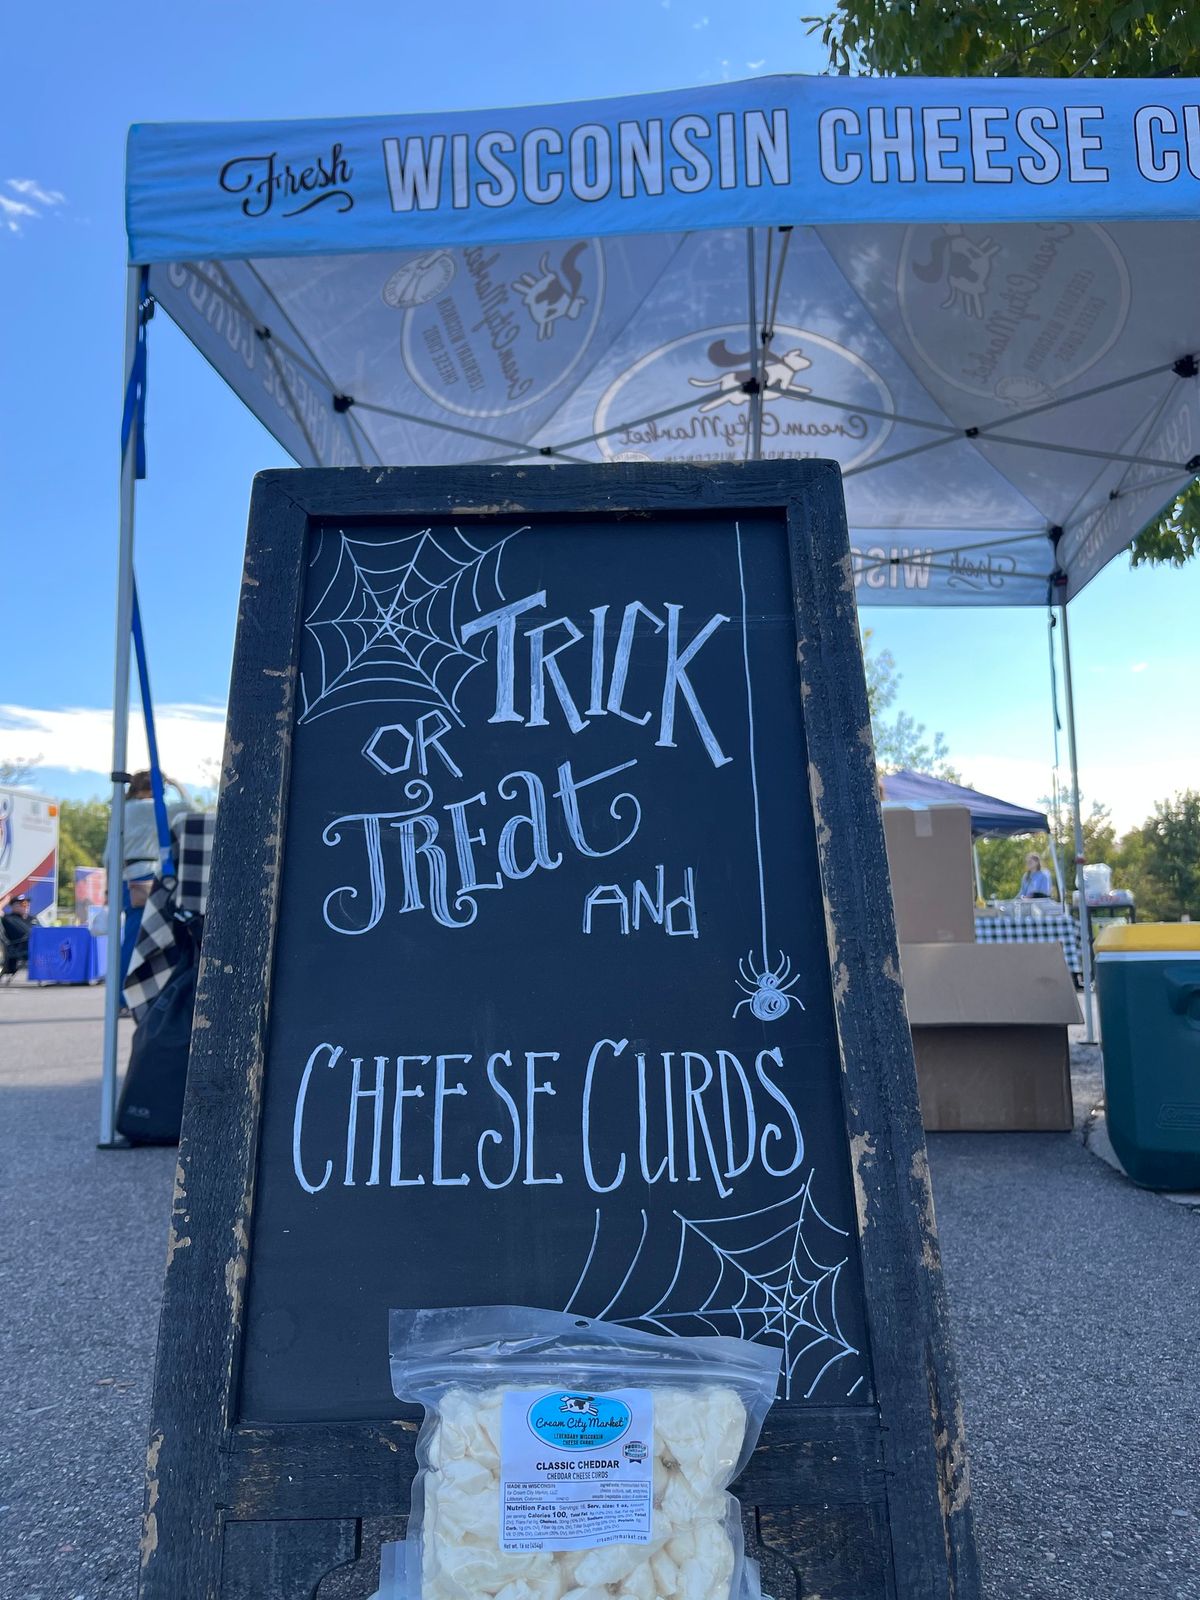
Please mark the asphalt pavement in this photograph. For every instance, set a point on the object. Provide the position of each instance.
(1075, 1302)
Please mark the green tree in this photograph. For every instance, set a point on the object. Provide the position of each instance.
(82, 836)
(1027, 38)
(1170, 856)
(1131, 871)
(17, 770)
(1002, 864)
(1099, 835)
(1002, 861)
(900, 741)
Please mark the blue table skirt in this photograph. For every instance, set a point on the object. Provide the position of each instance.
(67, 955)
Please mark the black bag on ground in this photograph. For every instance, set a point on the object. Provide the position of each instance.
(150, 1110)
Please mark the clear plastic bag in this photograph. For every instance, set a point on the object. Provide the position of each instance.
(563, 1458)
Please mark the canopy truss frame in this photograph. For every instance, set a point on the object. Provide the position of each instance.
(760, 336)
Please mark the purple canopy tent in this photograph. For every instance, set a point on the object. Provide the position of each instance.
(990, 818)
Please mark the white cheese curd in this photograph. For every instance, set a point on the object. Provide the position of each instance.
(698, 1436)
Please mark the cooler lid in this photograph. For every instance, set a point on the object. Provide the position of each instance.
(1148, 937)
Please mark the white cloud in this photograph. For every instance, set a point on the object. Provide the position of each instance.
(1129, 788)
(753, 66)
(11, 212)
(703, 23)
(32, 190)
(33, 202)
(79, 738)
(1139, 666)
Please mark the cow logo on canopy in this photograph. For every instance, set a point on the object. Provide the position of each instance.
(812, 392)
(553, 291)
(737, 368)
(1016, 313)
(508, 326)
(962, 264)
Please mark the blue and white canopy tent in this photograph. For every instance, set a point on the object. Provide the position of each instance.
(977, 295)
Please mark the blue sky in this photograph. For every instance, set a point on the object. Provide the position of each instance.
(981, 677)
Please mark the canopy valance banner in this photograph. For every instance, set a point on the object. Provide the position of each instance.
(977, 297)
(737, 155)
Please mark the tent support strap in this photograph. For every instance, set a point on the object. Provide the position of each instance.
(116, 827)
(1085, 938)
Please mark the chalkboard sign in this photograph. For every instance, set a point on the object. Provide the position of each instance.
(550, 962)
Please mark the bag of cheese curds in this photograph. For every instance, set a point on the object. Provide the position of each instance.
(565, 1458)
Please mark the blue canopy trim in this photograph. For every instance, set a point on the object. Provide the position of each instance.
(765, 152)
(989, 816)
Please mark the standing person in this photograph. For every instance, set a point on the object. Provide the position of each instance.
(142, 853)
(1035, 885)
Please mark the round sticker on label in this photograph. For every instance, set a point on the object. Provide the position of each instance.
(419, 280)
(579, 1421)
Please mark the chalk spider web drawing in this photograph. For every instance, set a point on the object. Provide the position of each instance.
(766, 987)
(387, 625)
(759, 1275)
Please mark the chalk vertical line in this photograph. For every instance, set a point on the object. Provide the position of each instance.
(586, 1264)
(762, 888)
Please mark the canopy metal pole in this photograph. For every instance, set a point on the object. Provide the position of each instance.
(754, 416)
(978, 879)
(1058, 877)
(1085, 939)
(116, 826)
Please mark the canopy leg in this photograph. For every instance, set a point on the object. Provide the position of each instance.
(978, 878)
(1085, 938)
(754, 412)
(1058, 877)
(116, 826)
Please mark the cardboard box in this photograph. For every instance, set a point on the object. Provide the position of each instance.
(989, 1026)
(933, 879)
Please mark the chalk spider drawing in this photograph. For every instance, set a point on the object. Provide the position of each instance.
(767, 991)
(765, 987)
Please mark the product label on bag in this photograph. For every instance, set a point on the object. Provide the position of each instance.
(576, 1469)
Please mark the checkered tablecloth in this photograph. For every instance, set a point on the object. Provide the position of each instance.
(1049, 928)
(157, 952)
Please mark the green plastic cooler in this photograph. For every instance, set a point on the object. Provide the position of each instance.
(1148, 981)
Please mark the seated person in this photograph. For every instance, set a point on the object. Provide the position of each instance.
(17, 920)
(1035, 885)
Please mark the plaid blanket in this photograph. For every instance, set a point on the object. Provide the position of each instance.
(158, 950)
(1057, 927)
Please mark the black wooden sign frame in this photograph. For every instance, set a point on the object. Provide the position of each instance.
(868, 1502)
